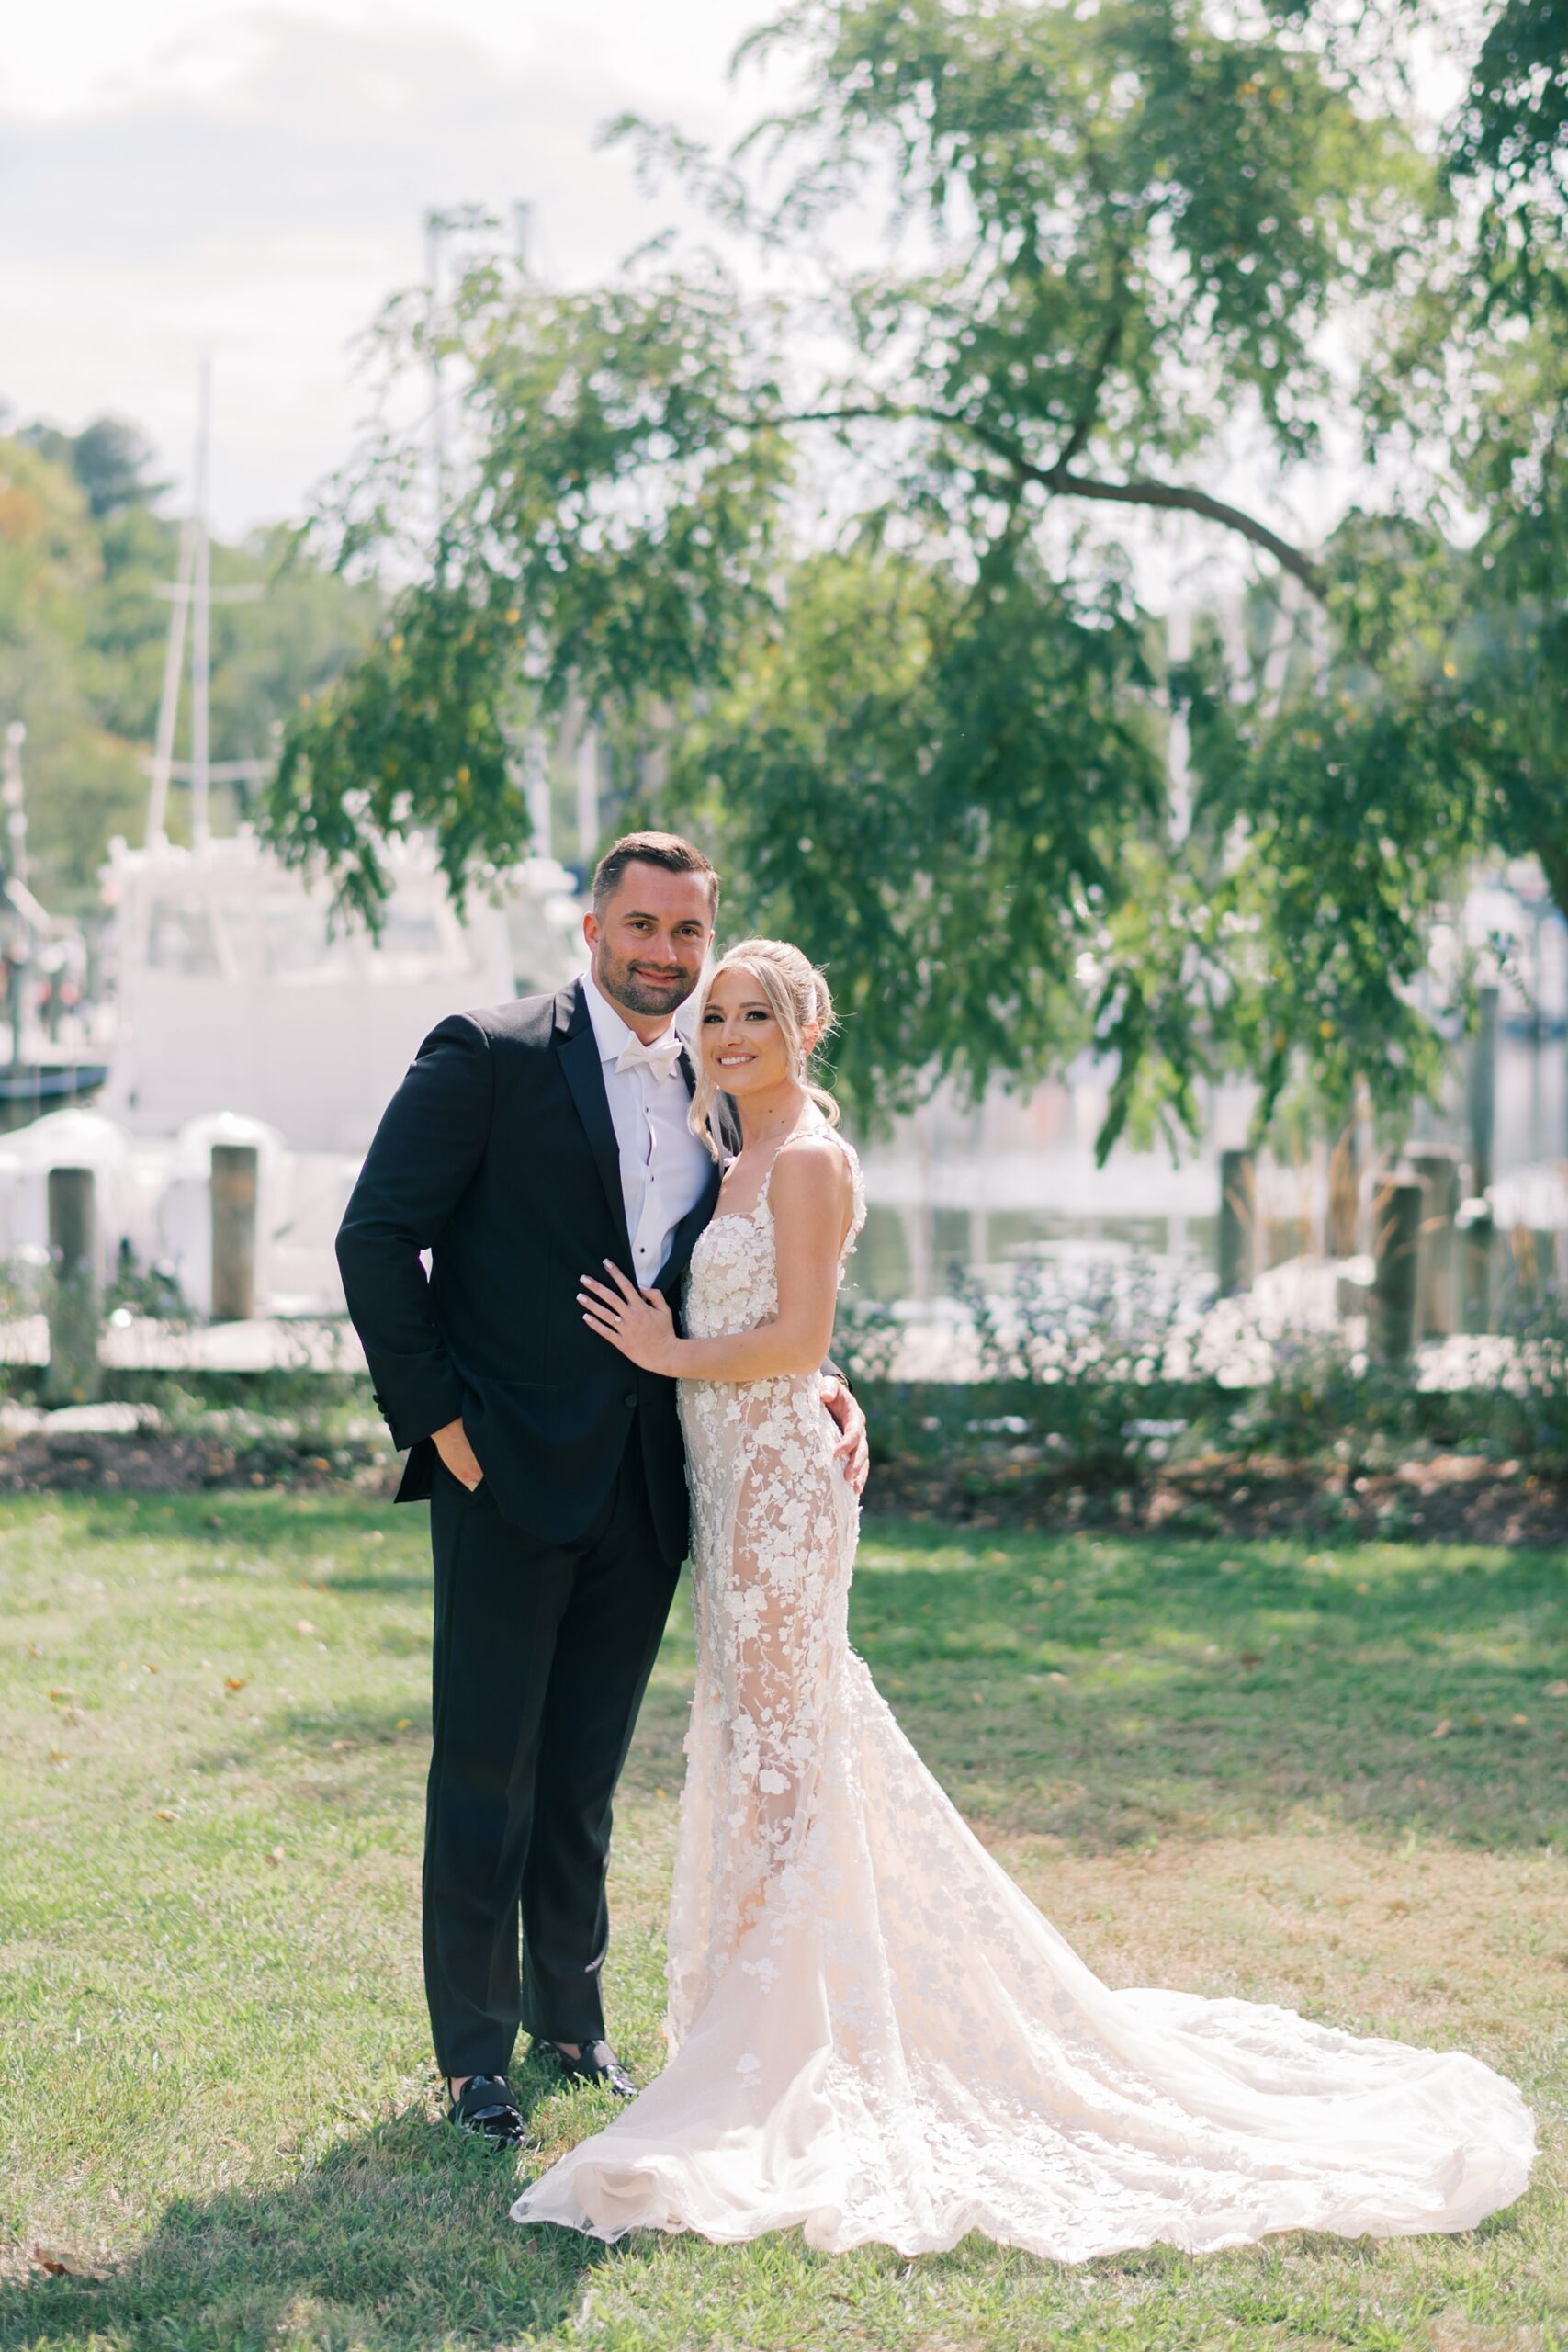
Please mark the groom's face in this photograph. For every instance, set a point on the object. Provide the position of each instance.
(649, 940)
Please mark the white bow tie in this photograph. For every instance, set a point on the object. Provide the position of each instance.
(661, 1058)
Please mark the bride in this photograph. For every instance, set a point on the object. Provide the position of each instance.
(872, 2033)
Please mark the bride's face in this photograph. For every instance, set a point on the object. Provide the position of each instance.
(744, 1047)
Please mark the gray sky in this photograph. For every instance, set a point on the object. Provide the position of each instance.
(179, 176)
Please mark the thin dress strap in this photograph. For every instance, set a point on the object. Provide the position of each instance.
(857, 1216)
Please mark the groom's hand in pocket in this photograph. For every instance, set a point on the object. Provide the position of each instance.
(452, 1445)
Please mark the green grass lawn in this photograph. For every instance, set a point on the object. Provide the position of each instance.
(1338, 1779)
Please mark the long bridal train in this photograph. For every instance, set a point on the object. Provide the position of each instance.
(874, 2034)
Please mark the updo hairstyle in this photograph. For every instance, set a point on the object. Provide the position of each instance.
(797, 996)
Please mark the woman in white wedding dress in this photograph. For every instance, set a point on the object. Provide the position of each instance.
(872, 2033)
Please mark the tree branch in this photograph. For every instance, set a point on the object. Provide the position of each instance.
(1175, 497)
(1166, 497)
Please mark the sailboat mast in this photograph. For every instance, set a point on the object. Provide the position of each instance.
(201, 626)
(169, 700)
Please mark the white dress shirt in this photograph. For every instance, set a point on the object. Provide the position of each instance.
(663, 1166)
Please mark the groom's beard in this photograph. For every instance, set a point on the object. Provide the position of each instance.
(647, 990)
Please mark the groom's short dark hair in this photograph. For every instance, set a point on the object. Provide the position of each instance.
(669, 851)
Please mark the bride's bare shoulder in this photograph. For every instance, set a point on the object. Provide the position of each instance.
(813, 1168)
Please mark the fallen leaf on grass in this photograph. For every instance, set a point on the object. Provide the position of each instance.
(1441, 1731)
(63, 1693)
(234, 1682)
(61, 2263)
(277, 1854)
(303, 1626)
(339, 1745)
(165, 1813)
(1556, 1690)
(1519, 1719)
(148, 1667)
(404, 1723)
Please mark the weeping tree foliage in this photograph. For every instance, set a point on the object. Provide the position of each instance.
(1334, 823)
(929, 782)
(1439, 730)
(847, 557)
(1331, 828)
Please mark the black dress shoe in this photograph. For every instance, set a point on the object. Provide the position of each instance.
(596, 2063)
(486, 2109)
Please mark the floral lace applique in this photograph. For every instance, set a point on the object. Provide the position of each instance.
(775, 1525)
(873, 2033)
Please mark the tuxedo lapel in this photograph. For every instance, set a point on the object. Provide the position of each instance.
(577, 1051)
(683, 1240)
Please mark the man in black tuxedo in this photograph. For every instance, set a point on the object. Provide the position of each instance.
(527, 1147)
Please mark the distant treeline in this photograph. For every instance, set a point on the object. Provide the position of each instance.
(85, 541)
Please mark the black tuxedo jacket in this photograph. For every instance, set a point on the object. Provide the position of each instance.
(498, 1155)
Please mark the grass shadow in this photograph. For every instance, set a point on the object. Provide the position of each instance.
(399, 2235)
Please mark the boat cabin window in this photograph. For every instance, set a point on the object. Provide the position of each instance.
(180, 938)
(296, 944)
(412, 945)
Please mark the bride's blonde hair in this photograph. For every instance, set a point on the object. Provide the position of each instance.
(797, 997)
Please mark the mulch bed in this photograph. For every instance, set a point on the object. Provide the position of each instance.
(154, 1463)
(1446, 1498)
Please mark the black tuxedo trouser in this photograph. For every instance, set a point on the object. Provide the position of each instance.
(542, 1653)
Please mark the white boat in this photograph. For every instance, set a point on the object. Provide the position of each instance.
(246, 1011)
(236, 992)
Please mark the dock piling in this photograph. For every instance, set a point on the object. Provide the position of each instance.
(1238, 1248)
(73, 1373)
(235, 1183)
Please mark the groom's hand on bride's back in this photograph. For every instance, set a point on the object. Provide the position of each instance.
(451, 1445)
(851, 1448)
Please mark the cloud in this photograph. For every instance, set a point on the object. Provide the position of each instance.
(266, 208)
(329, 134)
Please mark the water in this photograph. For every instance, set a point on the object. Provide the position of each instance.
(978, 1189)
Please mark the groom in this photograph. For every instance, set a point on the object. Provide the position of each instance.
(524, 1148)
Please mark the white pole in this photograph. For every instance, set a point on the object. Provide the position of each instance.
(537, 789)
(1178, 744)
(1281, 640)
(17, 859)
(435, 227)
(169, 700)
(587, 794)
(201, 631)
(15, 805)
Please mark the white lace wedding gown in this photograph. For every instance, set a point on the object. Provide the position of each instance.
(872, 2033)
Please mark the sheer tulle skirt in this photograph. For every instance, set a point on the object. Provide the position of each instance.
(902, 2049)
(874, 2034)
